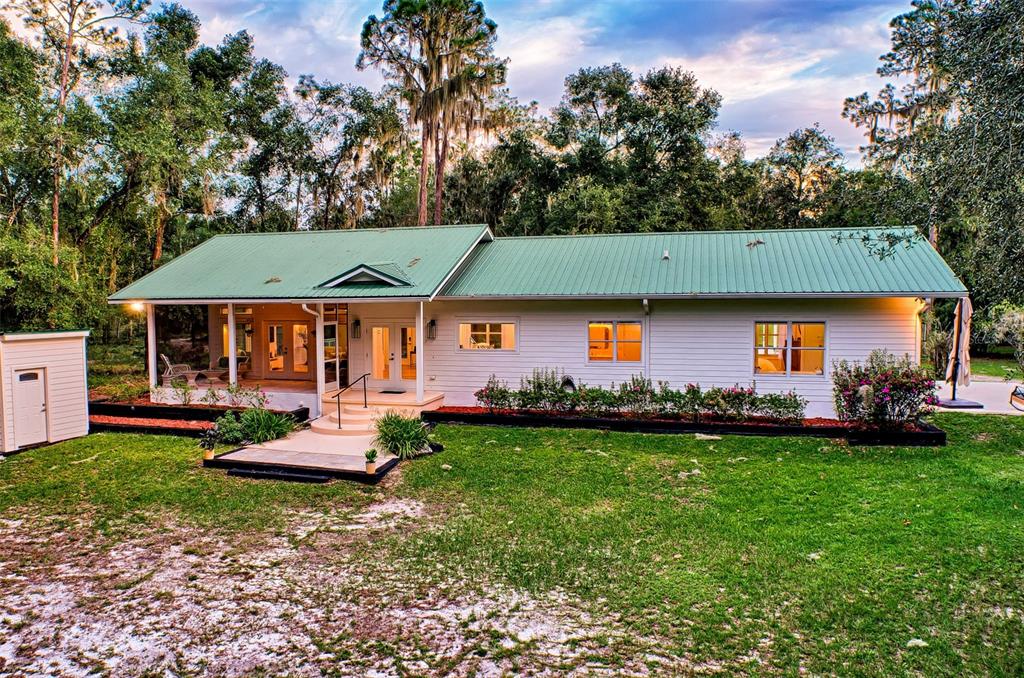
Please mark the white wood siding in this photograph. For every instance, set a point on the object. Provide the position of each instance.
(63, 359)
(706, 342)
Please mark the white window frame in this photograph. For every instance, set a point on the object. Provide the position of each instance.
(788, 350)
(615, 341)
(459, 322)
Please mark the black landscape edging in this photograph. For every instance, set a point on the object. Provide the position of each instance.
(147, 429)
(929, 436)
(178, 412)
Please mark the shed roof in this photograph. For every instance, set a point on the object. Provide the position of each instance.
(794, 262)
(299, 264)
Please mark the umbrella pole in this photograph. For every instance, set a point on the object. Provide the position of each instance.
(956, 350)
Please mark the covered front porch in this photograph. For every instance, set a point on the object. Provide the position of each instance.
(330, 357)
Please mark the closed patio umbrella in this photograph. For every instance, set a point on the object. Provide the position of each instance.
(958, 370)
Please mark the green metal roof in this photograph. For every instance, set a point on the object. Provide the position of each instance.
(415, 263)
(296, 264)
(796, 262)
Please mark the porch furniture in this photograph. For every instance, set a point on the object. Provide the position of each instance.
(241, 360)
(173, 371)
(1017, 398)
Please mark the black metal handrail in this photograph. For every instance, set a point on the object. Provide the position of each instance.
(337, 396)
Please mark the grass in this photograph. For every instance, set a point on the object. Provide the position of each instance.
(117, 371)
(123, 480)
(999, 362)
(802, 553)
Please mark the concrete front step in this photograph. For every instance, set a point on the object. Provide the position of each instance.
(329, 426)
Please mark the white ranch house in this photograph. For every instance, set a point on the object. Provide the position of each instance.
(428, 314)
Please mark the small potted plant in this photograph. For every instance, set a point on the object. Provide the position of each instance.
(208, 442)
(371, 461)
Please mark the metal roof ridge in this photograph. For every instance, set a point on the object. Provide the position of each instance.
(804, 229)
(378, 229)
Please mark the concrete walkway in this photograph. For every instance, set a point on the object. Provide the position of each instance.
(994, 395)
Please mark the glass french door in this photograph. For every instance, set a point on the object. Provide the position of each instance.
(287, 350)
(393, 356)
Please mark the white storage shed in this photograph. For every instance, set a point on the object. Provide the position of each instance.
(44, 395)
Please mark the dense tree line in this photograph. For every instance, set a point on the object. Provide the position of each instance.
(124, 141)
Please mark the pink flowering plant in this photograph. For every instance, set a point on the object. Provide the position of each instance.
(884, 391)
(495, 395)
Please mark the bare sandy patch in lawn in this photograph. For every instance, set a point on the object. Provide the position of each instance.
(315, 598)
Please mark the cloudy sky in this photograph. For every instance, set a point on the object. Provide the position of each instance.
(779, 64)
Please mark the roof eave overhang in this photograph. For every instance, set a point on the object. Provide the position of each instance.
(746, 295)
(268, 300)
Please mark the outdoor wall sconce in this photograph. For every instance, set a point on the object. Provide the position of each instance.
(357, 329)
(432, 329)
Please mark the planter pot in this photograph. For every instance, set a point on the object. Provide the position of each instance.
(208, 454)
(371, 467)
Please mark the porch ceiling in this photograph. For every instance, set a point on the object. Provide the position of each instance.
(295, 265)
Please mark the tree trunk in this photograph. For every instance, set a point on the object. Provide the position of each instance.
(161, 224)
(58, 155)
(298, 201)
(442, 159)
(421, 217)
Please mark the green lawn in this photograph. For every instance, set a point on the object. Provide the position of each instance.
(994, 366)
(803, 554)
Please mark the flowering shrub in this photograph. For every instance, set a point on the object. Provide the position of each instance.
(596, 401)
(883, 391)
(495, 395)
(545, 390)
(637, 396)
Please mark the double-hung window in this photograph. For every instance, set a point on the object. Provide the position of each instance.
(619, 341)
(789, 348)
(494, 336)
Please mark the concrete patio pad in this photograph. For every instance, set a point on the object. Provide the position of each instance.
(994, 395)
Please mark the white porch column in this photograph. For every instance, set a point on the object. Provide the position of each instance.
(420, 354)
(151, 356)
(321, 378)
(232, 347)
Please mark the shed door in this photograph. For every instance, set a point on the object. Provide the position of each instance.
(29, 407)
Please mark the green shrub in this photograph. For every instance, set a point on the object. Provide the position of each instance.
(183, 391)
(788, 408)
(229, 429)
(596, 401)
(495, 395)
(884, 391)
(543, 390)
(691, 402)
(404, 437)
(637, 396)
(738, 403)
(260, 425)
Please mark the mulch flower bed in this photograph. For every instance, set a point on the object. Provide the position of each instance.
(182, 427)
(925, 434)
(144, 421)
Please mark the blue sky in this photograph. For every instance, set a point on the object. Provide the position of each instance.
(779, 65)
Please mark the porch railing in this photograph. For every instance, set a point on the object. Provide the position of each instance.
(337, 396)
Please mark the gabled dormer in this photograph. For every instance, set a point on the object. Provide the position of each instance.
(380, 273)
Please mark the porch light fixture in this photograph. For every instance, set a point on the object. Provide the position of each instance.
(357, 329)
(432, 329)
(137, 307)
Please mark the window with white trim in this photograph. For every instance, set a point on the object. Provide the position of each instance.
(787, 347)
(488, 336)
(619, 341)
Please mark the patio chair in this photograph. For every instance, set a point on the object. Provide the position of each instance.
(174, 371)
(223, 367)
(1017, 398)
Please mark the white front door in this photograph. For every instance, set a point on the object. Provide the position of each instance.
(393, 355)
(29, 407)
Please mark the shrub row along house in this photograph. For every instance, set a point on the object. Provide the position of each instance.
(426, 315)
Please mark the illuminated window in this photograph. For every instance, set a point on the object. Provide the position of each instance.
(487, 336)
(789, 348)
(618, 341)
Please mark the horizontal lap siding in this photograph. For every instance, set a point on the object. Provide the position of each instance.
(66, 397)
(710, 342)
